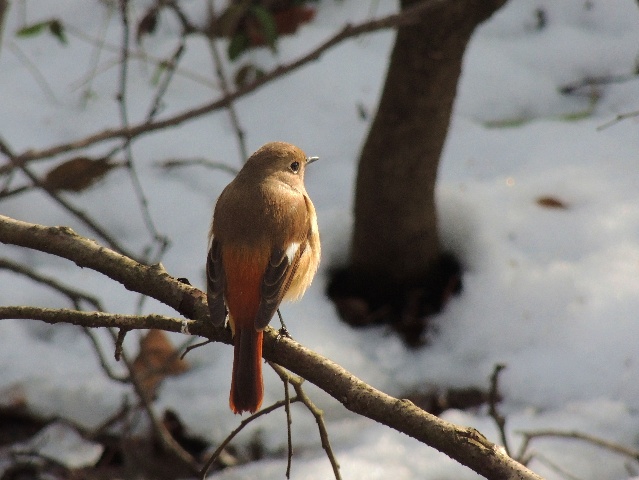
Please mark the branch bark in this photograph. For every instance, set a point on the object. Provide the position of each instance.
(152, 281)
(465, 445)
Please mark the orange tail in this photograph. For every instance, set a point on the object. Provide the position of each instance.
(247, 388)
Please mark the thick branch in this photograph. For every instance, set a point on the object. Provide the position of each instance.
(152, 280)
(465, 445)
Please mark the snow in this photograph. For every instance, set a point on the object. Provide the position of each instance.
(62, 443)
(551, 293)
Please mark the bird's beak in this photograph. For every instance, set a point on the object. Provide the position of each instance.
(311, 159)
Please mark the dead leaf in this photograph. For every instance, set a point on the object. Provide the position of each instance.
(289, 20)
(147, 25)
(286, 22)
(77, 174)
(551, 202)
(157, 359)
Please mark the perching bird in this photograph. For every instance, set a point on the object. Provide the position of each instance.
(264, 247)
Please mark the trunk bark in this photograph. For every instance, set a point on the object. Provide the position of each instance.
(395, 231)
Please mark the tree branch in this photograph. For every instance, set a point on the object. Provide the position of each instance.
(592, 439)
(152, 280)
(465, 445)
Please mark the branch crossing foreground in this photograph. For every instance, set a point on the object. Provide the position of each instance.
(465, 445)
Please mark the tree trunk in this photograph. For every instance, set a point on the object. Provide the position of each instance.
(395, 244)
(395, 230)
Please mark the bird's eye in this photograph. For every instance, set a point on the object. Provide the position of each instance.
(295, 167)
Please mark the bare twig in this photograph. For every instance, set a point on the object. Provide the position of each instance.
(162, 240)
(284, 376)
(169, 68)
(553, 466)
(619, 118)
(224, 84)
(238, 429)
(76, 296)
(37, 75)
(138, 55)
(289, 432)
(187, 162)
(592, 82)
(106, 368)
(585, 437)
(493, 400)
(6, 193)
(161, 432)
(193, 347)
(119, 342)
(315, 411)
(95, 58)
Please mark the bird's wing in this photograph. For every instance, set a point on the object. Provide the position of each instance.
(277, 279)
(215, 283)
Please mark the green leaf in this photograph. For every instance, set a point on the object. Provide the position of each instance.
(33, 30)
(237, 46)
(267, 23)
(53, 26)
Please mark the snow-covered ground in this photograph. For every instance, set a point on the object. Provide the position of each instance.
(551, 293)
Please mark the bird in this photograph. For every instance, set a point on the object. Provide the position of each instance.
(264, 247)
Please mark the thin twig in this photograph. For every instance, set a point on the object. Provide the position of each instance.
(160, 430)
(238, 429)
(315, 411)
(118, 416)
(40, 79)
(138, 55)
(6, 193)
(73, 294)
(619, 118)
(119, 343)
(224, 84)
(188, 162)
(591, 82)
(170, 67)
(289, 419)
(553, 466)
(585, 437)
(106, 367)
(493, 400)
(95, 57)
(162, 240)
(193, 347)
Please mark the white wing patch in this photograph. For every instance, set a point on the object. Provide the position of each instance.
(291, 250)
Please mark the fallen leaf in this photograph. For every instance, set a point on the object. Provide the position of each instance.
(157, 359)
